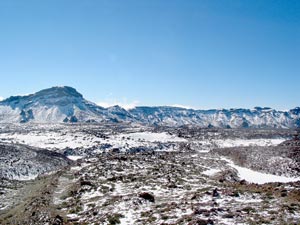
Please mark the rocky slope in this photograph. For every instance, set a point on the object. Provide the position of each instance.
(65, 104)
(177, 187)
(20, 162)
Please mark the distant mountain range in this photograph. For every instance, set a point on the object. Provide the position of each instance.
(66, 105)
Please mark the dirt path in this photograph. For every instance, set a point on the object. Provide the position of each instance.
(65, 182)
(32, 203)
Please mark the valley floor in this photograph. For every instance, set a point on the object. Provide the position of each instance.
(141, 175)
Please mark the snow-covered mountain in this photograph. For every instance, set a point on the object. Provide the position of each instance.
(65, 104)
(53, 105)
(226, 118)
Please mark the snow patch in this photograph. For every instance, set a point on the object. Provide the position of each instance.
(52, 140)
(24, 177)
(154, 137)
(211, 172)
(228, 143)
(75, 157)
(258, 177)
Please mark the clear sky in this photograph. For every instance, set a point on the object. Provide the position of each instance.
(198, 53)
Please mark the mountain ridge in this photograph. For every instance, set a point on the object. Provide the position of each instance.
(66, 104)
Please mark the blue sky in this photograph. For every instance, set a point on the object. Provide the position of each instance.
(198, 53)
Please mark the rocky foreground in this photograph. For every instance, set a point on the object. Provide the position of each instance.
(184, 181)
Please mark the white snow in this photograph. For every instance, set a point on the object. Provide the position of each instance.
(75, 157)
(72, 216)
(61, 139)
(258, 177)
(52, 140)
(211, 172)
(3, 208)
(228, 143)
(128, 217)
(154, 137)
(90, 195)
(24, 177)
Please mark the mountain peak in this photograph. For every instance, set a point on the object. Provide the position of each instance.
(60, 91)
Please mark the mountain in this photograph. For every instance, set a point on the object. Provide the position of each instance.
(53, 105)
(65, 104)
(225, 118)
